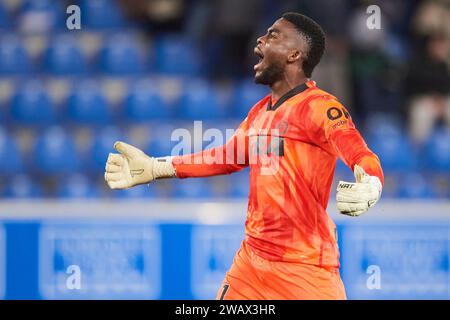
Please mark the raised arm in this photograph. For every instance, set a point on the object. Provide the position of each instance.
(336, 132)
(131, 166)
(226, 159)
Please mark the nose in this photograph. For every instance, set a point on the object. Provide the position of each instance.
(260, 40)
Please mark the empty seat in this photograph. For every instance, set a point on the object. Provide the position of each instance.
(77, 186)
(55, 152)
(437, 151)
(101, 14)
(121, 55)
(39, 16)
(31, 104)
(65, 57)
(102, 146)
(22, 186)
(4, 18)
(88, 105)
(175, 55)
(394, 150)
(246, 96)
(414, 185)
(342, 169)
(137, 192)
(160, 147)
(145, 102)
(193, 188)
(200, 102)
(381, 125)
(239, 184)
(14, 58)
(10, 157)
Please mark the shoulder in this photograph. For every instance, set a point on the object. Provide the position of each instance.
(327, 112)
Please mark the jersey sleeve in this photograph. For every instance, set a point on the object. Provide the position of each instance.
(226, 159)
(331, 127)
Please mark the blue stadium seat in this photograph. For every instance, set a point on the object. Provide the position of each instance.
(48, 11)
(193, 188)
(77, 186)
(382, 125)
(160, 147)
(137, 192)
(88, 105)
(144, 102)
(394, 150)
(31, 104)
(4, 18)
(246, 96)
(175, 55)
(22, 186)
(10, 157)
(342, 169)
(121, 55)
(414, 185)
(437, 151)
(14, 58)
(240, 184)
(200, 101)
(102, 146)
(101, 14)
(55, 152)
(64, 57)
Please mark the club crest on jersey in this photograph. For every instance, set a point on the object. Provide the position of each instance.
(282, 126)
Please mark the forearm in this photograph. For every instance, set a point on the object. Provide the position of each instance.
(353, 150)
(212, 162)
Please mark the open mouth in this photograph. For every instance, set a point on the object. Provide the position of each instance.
(260, 56)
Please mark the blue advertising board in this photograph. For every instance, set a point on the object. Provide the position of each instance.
(99, 260)
(107, 258)
(402, 261)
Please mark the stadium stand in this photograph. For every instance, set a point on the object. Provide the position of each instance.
(163, 83)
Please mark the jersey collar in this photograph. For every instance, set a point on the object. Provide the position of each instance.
(293, 92)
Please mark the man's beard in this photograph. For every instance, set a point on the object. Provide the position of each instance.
(270, 75)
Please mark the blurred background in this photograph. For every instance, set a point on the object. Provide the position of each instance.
(137, 70)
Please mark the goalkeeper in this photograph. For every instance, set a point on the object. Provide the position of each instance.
(290, 140)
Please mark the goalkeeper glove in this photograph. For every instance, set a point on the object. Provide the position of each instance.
(354, 199)
(131, 167)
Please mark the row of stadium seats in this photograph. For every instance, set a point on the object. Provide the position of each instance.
(96, 14)
(119, 54)
(411, 185)
(81, 186)
(55, 150)
(86, 102)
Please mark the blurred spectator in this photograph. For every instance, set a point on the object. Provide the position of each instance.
(432, 16)
(163, 15)
(428, 86)
(227, 30)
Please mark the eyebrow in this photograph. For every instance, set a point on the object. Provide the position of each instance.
(273, 30)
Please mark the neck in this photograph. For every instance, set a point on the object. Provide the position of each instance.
(283, 86)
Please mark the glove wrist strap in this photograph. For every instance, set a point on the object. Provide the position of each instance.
(163, 168)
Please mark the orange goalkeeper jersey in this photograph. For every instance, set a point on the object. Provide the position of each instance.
(291, 146)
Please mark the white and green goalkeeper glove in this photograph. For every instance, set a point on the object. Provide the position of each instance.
(131, 167)
(356, 198)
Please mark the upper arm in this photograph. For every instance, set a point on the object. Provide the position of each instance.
(327, 118)
(332, 127)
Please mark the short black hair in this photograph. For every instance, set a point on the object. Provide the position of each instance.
(314, 36)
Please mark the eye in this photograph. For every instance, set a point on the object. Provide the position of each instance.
(272, 34)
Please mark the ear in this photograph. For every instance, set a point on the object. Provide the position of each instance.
(294, 56)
